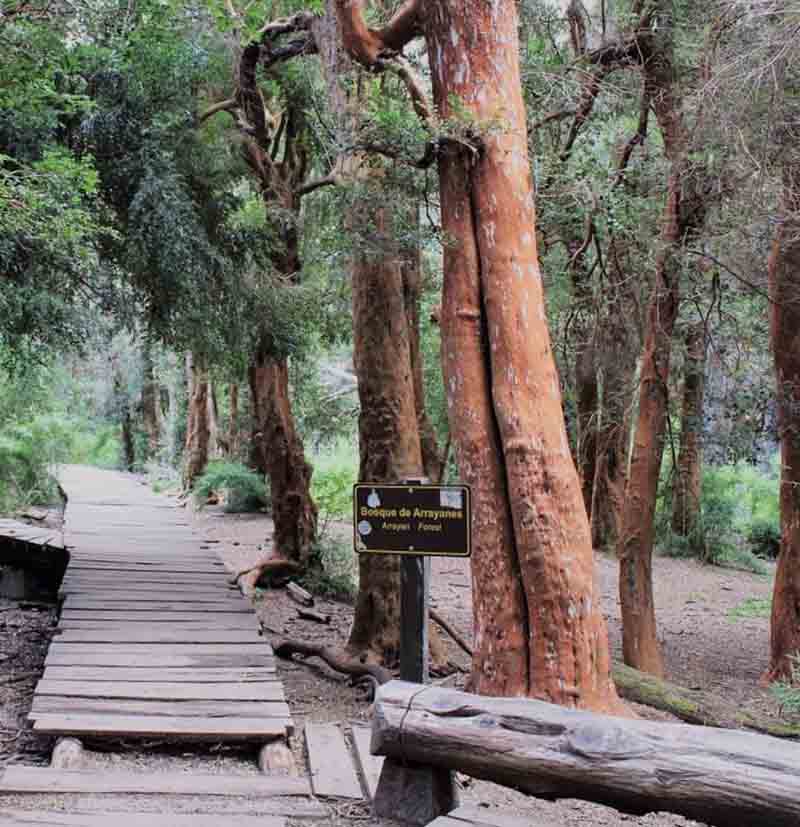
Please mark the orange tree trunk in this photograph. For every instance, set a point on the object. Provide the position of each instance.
(389, 439)
(279, 453)
(688, 475)
(784, 276)
(539, 629)
(197, 428)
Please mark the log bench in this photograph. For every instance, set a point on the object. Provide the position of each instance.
(726, 778)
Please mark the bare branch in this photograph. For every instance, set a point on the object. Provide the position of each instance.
(228, 106)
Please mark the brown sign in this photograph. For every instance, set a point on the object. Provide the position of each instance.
(412, 519)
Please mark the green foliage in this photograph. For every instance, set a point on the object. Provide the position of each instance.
(335, 473)
(752, 607)
(739, 518)
(241, 488)
(333, 574)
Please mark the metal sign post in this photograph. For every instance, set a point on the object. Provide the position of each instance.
(417, 521)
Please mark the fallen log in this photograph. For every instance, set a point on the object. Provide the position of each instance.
(724, 778)
(693, 706)
(336, 660)
(299, 594)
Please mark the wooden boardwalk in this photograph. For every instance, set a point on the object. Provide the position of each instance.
(152, 642)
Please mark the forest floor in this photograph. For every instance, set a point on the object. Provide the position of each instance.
(713, 622)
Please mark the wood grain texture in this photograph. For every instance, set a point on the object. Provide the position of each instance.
(55, 704)
(38, 818)
(44, 779)
(99, 603)
(228, 730)
(169, 674)
(332, 771)
(272, 691)
(76, 656)
(158, 634)
(724, 778)
(368, 764)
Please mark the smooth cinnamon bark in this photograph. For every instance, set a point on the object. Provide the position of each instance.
(281, 455)
(784, 278)
(389, 439)
(539, 629)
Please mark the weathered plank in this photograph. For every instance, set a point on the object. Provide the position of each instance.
(176, 602)
(370, 765)
(76, 656)
(39, 818)
(55, 704)
(332, 772)
(160, 590)
(44, 779)
(233, 730)
(722, 777)
(242, 623)
(256, 646)
(123, 616)
(272, 691)
(104, 604)
(156, 635)
(172, 675)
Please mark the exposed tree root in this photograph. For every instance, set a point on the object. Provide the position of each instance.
(335, 659)
(273, 568)
(458, 638)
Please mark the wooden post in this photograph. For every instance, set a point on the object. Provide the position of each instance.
(414, 793)
(415, 575)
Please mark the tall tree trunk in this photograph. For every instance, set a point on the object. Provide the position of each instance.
(411, 267)
(280, 455)
(689, 473)
(233, 424)
(640, 644)
(123, 403)
(151, 402)
(388, 428)
(784, 278)
(539, 628)
(213, 421)
(197, 428)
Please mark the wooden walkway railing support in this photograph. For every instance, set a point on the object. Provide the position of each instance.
(725, 778)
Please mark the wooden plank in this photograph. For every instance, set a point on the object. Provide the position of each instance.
(102, 604)
(163, 590)
(254, 674)
(210, 617)
(77, 656)
(268, 691)
(370, 765)
(164, 602)
(39, 818)
(137, 575)
(256, 647)
(55, 704)
(332, 771)
(155, 635)
(45, 779)
(238, 730)
(140, 620)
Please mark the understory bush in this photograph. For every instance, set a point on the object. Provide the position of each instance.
(787, 692)
(333, 574)
(739, 521)
(241, 488)
(335, 473)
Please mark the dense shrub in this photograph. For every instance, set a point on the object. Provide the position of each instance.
(335, 473)
(241, 488)
(739, 522)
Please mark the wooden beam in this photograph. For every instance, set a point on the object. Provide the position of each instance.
(724, 778)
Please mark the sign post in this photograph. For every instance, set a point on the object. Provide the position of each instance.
(417, 521)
